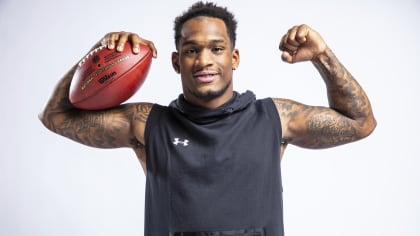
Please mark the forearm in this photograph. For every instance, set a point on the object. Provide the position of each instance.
(345, 95)
(103, 129)
(120, 126)
(59, 101)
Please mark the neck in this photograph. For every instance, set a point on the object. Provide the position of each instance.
(210, 100)
(210, 103)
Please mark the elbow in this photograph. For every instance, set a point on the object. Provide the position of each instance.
(47, 119)
(41, 117)
(44, 120)
(368, 127)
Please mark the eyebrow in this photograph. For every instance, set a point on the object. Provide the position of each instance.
(195, 42)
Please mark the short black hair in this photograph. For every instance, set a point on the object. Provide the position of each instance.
(208, 9)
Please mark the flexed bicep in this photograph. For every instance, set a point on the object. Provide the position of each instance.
(315, 126)
(321, 127)
(103, 129)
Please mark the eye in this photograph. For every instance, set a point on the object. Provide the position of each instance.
(190, 51)
(218, 50)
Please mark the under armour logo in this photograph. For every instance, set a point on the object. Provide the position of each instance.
(183, 142)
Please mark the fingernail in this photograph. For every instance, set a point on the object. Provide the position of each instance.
(111, 46)
(136, 49)
(120, 48)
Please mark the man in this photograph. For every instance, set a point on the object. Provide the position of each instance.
(212, 157)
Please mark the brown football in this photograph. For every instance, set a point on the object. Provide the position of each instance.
(106, 78)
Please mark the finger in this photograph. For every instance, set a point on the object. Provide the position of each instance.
(151, 45)
(110, 40)
(122, 39)
(302, 33)
(138, 40)
(134, 40)
(285, 46)
(291, 39)
(104, 41)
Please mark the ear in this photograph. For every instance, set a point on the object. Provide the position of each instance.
(175, 62)
(235, 59)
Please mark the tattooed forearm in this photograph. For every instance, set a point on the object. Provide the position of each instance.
(104, 129)
(344, 93)
(122, 126)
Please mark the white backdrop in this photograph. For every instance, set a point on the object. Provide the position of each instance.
(53, 186)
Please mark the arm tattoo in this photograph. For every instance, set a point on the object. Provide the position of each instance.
(98, 129)
(285, 109)
(116, 127)
(328, 130)
(136, 144)
(143, 111)
(349, 117)
(344, 93)
(314, 127)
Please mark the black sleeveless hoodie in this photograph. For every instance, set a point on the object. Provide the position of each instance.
(214, 171)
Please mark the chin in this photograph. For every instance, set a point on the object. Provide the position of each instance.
(210, 94)
(207, 95)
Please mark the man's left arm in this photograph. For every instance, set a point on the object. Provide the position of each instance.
(349, 116)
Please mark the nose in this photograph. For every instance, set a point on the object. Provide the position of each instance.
(204, 59)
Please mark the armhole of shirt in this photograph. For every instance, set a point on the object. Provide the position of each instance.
(152, 121)
(274, 114)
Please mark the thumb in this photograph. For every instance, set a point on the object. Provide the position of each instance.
(287, 57)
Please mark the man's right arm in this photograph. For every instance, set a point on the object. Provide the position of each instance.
(122, 126)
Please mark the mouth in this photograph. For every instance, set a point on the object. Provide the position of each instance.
(205, 76)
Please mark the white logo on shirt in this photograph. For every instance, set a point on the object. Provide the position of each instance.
(178, 141)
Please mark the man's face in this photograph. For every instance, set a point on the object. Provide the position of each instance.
(205, 59)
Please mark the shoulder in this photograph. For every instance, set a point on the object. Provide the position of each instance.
(288, 112)
(267, 105)
(141, 113)
(287, 108)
